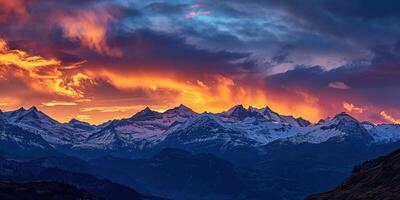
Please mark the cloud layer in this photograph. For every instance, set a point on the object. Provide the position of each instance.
(96, 60)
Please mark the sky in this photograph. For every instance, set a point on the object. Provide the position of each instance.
(97, 60)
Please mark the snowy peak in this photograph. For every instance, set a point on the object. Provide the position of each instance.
(385, 133)
(145, 114)
(33, 109)
(31, 115)
(12, 115)
(239, 112)
(181, 110)
(350, 127)
(274, 116)
(236, 110)
(343, 116)
(302, 122)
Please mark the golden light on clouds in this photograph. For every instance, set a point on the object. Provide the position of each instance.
(59, 103)
(352, 108)
(390, 118)
(41, 74)
(83, 117)
(90, 29)
(216, 93)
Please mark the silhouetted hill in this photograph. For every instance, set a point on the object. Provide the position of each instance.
(42, 191)
(11, 170)
(376, 179)
(178, 174)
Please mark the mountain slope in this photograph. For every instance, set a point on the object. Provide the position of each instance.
(52, 131)
(375, 179)
(137, 132)
(41, 191)
(273, 116)
(15, 141)
(177, 174)
(339, 128)
(11, 170)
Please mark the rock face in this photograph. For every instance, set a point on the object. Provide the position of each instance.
(375, 179)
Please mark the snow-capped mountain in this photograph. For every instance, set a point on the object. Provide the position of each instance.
(142, 129)
(54, 132)
(205, 130)
(16, 140)
(385, 133)
(341, 127)
(238, 113)
(181, 127)
(273, 116)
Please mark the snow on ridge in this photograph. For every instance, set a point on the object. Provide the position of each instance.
(145, 131)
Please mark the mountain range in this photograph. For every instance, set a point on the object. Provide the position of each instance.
(242, 153)
(148, 131)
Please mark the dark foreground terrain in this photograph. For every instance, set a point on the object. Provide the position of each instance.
(41, 191)
(376, 179)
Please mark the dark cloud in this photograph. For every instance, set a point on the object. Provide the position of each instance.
(165, 52)
(372, 83)
(167, 8)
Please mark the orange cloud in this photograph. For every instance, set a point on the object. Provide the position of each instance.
(84, 117)
(90, 29)
(215, 94)
(390, 118)
(59, 103)
(132, 109)
(9, 102)
(352, 108)
(42, 74)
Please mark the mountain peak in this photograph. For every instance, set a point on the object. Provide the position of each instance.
(181, 106)
(73, 120)
(22, 109)
(147, 109)
(239, 112)
(145, 114)
(33, 108)
(76, 121)
(181, 110)
(236, 109)
(344, 116)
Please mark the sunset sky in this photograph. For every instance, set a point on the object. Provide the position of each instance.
(96, 60)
